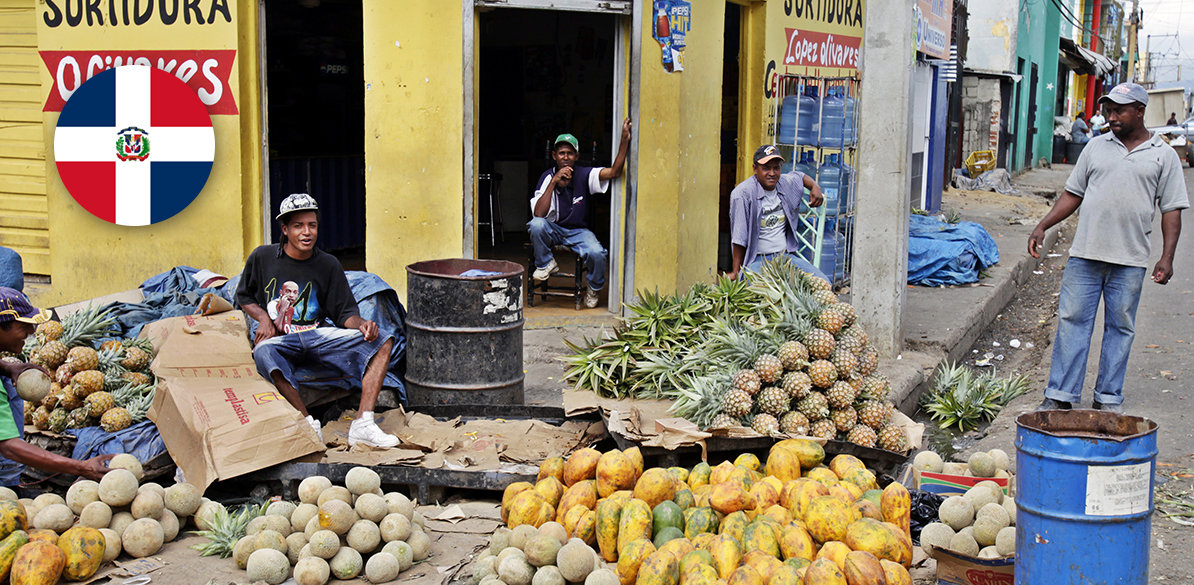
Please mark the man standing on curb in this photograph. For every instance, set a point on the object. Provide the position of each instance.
(1120, 179)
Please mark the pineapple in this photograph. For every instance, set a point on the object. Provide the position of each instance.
(875, 387)
(856, 331)
(793, 355)
(843, 418)
(820, 284)
(848, 313)
(28, 417)
(862, 435)
(831, 320)
(41, 417)
(57, 421)
(135, 359)
(112, 345)
(794, 423)
(116, 419)
(70, 399)
(48, 331)
(874, 414)
(820, 343)
(868, 362)
(87, 382)
(82, 358)
(52, 353)
(844, 362)
(769, 368)
(822, 373)
(797, 384)
(51, 399)
(78, 419)
(765, 424)
(63, 374)
(849, 340)
(773, 400)
(98, 403)
(825, 297)
(747, 381)
(722, 421)
(814, 407)
(840, 395)
(736, 403)
(893, 438)
(824, 429)
(135, 378)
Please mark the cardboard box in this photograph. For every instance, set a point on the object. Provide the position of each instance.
(958, 569)
(947, 484)
(217, 416)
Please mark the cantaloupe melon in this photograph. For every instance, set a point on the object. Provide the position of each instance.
(142, 538)
(129, 462)
(381, 567)
(346, 564)
(268, 565)
(361, 480)
(312, 571)
(183, 499)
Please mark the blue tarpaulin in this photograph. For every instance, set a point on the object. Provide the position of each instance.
(941, 253)
(140, 440)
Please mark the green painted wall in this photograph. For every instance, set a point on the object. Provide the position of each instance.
(1037, 41)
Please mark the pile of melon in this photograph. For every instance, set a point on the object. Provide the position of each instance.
(980, 523)
(994, 463)
(331, 532)
(51, 537)
(790, 520)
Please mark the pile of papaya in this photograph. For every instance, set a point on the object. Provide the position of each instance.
(788, 520)
(42, 557)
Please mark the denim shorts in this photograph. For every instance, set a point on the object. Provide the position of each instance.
(342, 351)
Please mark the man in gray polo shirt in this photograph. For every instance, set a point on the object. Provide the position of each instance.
(1119, 181)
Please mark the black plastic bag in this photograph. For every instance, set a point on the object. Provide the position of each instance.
(924, 511)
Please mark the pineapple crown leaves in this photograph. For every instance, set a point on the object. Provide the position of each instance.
(699, 399)
(225, 528)
(963, 399)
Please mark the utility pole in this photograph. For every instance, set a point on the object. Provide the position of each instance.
(1133, 24)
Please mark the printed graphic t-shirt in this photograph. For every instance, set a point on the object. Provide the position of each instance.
(303, 292)
(772, 224)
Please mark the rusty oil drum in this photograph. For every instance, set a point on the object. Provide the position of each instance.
(464, 333)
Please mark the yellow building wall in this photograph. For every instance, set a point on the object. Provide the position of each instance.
(414, 112)
(91, 257)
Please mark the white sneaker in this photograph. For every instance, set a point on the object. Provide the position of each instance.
(315, 425)
(591, 299)
(542, 274)
(367, 432)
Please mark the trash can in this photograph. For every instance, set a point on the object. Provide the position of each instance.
(1059, 143)
(464, 332)
(1072, 150)
(1084, 497)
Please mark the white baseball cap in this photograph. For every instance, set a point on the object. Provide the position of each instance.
(296, 202)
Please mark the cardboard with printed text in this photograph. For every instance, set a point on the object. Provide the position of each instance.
(217, 416)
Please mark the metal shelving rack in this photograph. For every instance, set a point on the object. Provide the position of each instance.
(814, 222)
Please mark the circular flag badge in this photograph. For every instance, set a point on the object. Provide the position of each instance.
(134, 145)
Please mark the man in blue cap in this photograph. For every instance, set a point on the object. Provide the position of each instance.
(18, 320)
(560, 209)
(1120, 180)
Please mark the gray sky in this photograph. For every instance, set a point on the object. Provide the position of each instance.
(1169, 17)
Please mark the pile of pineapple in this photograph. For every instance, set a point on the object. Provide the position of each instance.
(109, 385)
(778, 353)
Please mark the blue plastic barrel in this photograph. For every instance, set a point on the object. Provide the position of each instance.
(786, 133)
(808, 124)
(1084, 495)
(833, 119)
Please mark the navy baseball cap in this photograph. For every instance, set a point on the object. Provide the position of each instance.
(767, 152)
(15, 306)
(1126, 93)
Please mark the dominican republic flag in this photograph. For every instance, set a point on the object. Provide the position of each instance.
(134, 145)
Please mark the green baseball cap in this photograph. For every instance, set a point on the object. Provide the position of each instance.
(567, 138)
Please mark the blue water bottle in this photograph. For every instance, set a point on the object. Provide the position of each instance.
(851, 123)
(786, 133)
(833, 119)
(829, 177)
(808, 124)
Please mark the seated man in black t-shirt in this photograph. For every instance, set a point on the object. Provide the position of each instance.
(290, 289)
(561, 218)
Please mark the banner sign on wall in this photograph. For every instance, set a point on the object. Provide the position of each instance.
(670, 22)
(205, 71)
(806, 48)
(933, 27)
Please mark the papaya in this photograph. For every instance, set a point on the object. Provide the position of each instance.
(621, 496)
(868, 509)
(634, 523)
(698, 520)
(551, 467)
(810, 453)
(863, 478)
(699, 475)
(835, 551)
(798, 563)
(798, 494)
(720, 472)
(659, 568)
(727, 555)
(12, 517)
(655, 486)
(842, 463)
(636, 459)
(608, 517)
(680, 473)
(666, 514)
(745, 575)
(743, 476)
(581, 465)
(896, 505)
(632, 558)
(867, 534)
(863, 568)
(904, 541)
(43, 535)
(729, 497)
(762, 563)
(780, 514)
(749, 461)
(697, 557)
(699, 574)
(581, 493)
(783, 464)
(684, 498)
(551, 489)
(895, 573)
(873, 496)
(700, 495)
(84, 549)
(824, 572)
(510, 493)
(765, 495)
(37, 563)
(786, 575)
(571, 518)
(679, 547)
(760, 536)
(827, 518)
(614, 472)
(8, 550)
(796, 543)
(667, 535)
(734, 525)
(841, 492)
(704, 540)
(822, 474)
(526, 508)
(586, 527)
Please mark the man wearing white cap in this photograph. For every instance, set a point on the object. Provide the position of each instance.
(1119, 181)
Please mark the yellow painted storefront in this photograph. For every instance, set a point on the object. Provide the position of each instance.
(420, 72)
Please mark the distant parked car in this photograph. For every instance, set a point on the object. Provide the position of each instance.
(1184, 136)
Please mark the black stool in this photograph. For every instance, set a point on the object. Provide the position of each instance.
(546, 289)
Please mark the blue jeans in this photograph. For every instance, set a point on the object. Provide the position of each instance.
(800, 262)
(343, 351)
(1084, 283)
(545, 234)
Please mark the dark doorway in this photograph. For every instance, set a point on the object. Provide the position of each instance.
(541, 73)
(316, 116)
(1030, 143)
(730, 97)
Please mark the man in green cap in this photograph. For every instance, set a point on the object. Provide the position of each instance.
(561, 218)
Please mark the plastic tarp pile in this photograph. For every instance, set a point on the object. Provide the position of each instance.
(944, 254)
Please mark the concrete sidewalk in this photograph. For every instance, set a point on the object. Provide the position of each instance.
(940, 324)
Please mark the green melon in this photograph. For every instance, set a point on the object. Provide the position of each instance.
(667, 514)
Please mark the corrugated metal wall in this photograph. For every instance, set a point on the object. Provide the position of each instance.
(23, 222)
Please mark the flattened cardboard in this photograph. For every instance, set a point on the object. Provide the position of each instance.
(218, 418)
(948, 484)
(958, 569)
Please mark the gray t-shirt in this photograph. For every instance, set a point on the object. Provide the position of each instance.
(772, 224)
(1120, 192)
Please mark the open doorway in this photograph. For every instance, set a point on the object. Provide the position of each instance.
(541, 73)
(730, 98)
(316, 117)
